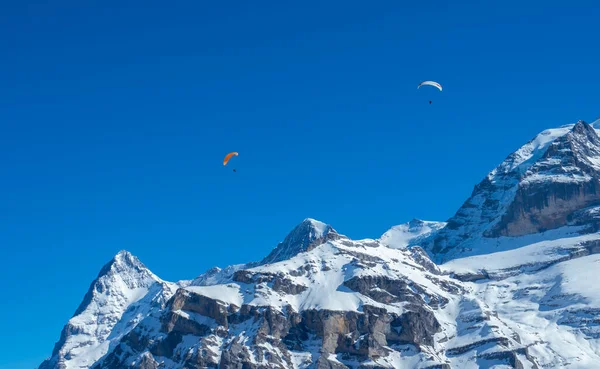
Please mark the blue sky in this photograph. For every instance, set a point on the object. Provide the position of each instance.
(115, 119)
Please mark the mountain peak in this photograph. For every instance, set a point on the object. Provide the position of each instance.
(311, 228)
(315, 225)
(305, 236)
(125, 263)
(582, 127)
(127, 267)
(121, 282)
(585, 132)
(127, 258)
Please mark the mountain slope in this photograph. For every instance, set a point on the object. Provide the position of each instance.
(553, 308)
(411, 233)
(537, 188)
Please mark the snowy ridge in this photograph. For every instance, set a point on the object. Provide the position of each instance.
(335, 276)
(431, 319)
(330, 264)
(410, 233)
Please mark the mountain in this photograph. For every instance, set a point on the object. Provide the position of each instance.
(507, 282)
(122, 295)
(342, 301)
(539, 187)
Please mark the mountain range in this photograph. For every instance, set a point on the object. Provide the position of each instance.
(507, 282)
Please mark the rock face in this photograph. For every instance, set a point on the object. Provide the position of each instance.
(543, 203)
(539, 187)
(516, 289)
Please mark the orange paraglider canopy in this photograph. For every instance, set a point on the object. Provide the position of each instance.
(229, 156)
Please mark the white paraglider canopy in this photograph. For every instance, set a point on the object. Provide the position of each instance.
(430, 83)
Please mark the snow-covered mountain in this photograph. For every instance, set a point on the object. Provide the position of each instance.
(541, 186)
(513, 287)
(123, 294)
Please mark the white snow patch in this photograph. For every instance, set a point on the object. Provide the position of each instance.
(229, 293)
(538, 251)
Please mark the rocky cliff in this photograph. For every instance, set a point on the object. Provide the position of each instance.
(542, 186)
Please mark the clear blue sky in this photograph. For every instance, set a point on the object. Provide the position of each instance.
(115, 119)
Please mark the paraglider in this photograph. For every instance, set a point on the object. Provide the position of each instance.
(228, 157)
(430, 83)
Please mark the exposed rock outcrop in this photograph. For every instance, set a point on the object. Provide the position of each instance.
(544, 185)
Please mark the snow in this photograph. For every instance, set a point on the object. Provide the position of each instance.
(318, 227)
(201, 319)
(332, 263)
(301, 360)
(229, 294)
(299, 239)
(404, 357)
(579, 278)
(304, 359)
(531, 151)
(506, 253)
(124, 293)
(544, 308)
(326, 290)
(402, 235)
(327, 293)
(216, 275)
